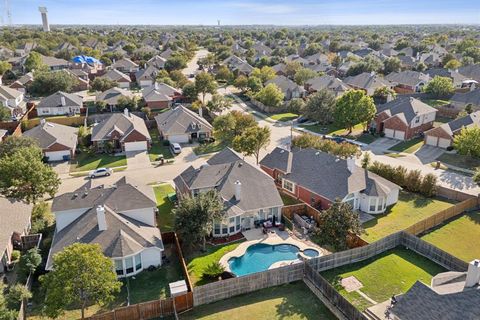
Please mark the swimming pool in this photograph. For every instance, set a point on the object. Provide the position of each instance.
(260, 257)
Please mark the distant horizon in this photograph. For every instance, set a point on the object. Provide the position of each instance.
(247, 12)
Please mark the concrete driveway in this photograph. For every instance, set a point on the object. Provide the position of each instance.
(62, 167)
(427, 154)
(382, 144)
(138, 159)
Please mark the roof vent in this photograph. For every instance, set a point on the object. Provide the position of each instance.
(317, 153)
(282, 151)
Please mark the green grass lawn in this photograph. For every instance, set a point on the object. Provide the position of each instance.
(390, 273)
(86, 161)
(458, 160)
(292, 301)
(435, 102)
(165, 218)
(459, 237)
(198, 261)
(333, 129)
(409, 146)
(366, 138)
(409, 209)
(288, 116)
(287, 200)
(209, 148)
(157, 148)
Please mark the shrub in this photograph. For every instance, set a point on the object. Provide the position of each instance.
(15, 255)
(16, 294)
(413, 180)
(476, 176)
(39, 217)
(429, 185)
(30, 261)
(342, 150)
(213, 270)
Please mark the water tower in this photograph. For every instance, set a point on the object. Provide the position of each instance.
(43, 11)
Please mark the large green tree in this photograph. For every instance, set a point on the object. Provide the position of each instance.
(440, 87)
(352, 108)
(34, 62)
(205, 83)
(5, 113)
(337, 222)
(391, 64)
(241, 82)
(103, 84)
(264, 74)
(252, 141)
(320, 106)
(304, 74)
(194, 217)
(4, 67)
(218, 103)
(467, 142)
(46, 83)
(228, 126)
(271, 95)
(81, 275)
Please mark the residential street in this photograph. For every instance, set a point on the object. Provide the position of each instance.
(192, 65)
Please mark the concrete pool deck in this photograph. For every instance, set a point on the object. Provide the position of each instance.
(274, 237)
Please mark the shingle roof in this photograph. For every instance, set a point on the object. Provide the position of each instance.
(327, 82)
(116, 75)
(124, 63)
(366, 81)
(227, 155)
(15, 218)
(456, 125)
(472, 97)
(55, 100)
(54, 62)
(285, 84)
(407, 108)
(124, 123)
(472, 71)
(49, 133)
(181, 120)
(159, 92)
(9, 93)
(112, 95)
(408, 77)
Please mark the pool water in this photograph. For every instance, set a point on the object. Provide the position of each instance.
(310, 253)
(260, 257)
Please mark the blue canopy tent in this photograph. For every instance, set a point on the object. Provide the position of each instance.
(86, 59)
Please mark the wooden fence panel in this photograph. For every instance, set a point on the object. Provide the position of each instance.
(184, 302)
(126, 313)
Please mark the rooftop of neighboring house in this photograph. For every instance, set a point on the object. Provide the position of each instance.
(54, 62)
(124, 123)
(147, 74)
(285, 84)
(48, 133)
(406, 108)
(180, 120)
(472, 97)
(123, 235)
(124, 63)
(408, 77)
(9, 93)
(112, 95)
(15, 218)
(367, 80)
(471, 71)
(59, 99)
(117, 76)
(298, 165)
(25, 78)
(222, 172)
(458, 124)
(442, 72)
(327, 82)
(160, 92)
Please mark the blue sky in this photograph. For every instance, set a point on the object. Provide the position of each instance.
(279, 12)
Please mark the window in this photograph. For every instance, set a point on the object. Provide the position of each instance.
(417, 119)
(261, 214)
(224, 229)
(287, 185)
(138, 262)
(119, 267)
(373, 203)
(129, 265)
(237, 223)
(380, 204)
(232, 229)
(216, 228)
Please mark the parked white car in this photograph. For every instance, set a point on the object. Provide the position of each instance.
(100, 172)
(175, 147)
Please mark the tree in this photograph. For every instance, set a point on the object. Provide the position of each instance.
(130, 103)
(252, 141)
(296, 105)
(476, 176)
(467, 142)
(440, 87)
(13, 143)
(30, 261)
(175, 63)
(103, 84)
(320, 106)
(34, 62)
(194, 217)
(4, 67)
(338, 222)
(16, 294)
(366, 160)
(101, 106)
(291, 68)
(453, 64)
(368, 64)
(391, 64)
(264, 74)
(421, 67)
(205, 83)
(179, 78)
(228, 126)
(382, 94)
(303, 75)
(47, 83)
(254, 84)
(270, 96)
(224, 74)
(81, 275)
(241, 82)
(342, 150)
(23, 175)
(213, 270)
(352, 108)
(190, 91)
(207, 61)
(5, 113)
(219, 103)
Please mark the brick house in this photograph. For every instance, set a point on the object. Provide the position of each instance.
(404, 118)
(408, 81)
(160, 96)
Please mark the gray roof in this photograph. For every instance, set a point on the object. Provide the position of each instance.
(258, 190)
(9, 93)
(149, 73)
(327, 82)
(472, 97)
(15, 218)
(54, 62)
(159, 92)
(116, 75)
(421, 302)
(181, 120)
(55, 100)
(442, 72)
(328, 169)
(112, 95)
(472, 71)
(121, 123)
(366, 81)
(285, 84)
(227, 155)
(407, 108)
(456, 125)
(408, 77)
(124, 63)
(49, 133)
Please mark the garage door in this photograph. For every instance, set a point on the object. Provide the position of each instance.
(136, 146)
(181, 138)
(57, 155)
(400, 135)
(432, 141)
(444, 143)
(389, 133)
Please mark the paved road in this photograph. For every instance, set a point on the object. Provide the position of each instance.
(192, 65)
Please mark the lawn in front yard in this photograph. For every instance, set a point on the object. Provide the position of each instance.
(292, 301)
(333, 129)
(459, 237)
(90, 161)
(207, 148)
(288, 116)
(461, 161)
(390, 273)
(157, 148)
(165, 218)
(410, 209)
(409, 146)
(197, 261)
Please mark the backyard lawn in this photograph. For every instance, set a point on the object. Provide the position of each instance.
(287, 200)
(157, 148)
(165, 218)
(459, 237)
(198, 261)
(390, 273)
(435, 102)
(458, 160)
(409, 146)
(288, 116)
(87, 161)
(292, 301)
(409, 209)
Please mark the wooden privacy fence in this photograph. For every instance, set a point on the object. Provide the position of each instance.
(171, 237)
(301, 209)
(332, 295)
(440, 217)
(149, 310)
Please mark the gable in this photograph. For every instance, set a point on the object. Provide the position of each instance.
(395, 122)
(134, 135)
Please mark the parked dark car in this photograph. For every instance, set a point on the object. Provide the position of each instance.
(302, 119)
